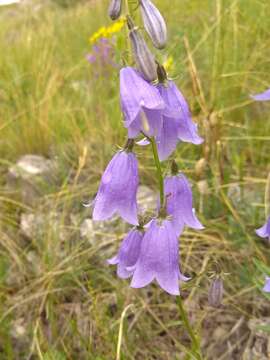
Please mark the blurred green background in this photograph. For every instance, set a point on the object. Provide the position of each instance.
(59, 299)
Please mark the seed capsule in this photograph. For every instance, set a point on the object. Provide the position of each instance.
(154, 23)
(115, 9)
(215, 292)
(143, 57)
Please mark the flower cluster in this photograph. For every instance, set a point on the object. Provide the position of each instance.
(102, 54)
(154, 109)
(107, 31)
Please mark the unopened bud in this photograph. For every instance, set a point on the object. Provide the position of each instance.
(216, 292)
(143, 57)
(200, 167)
(203, 187)
(115, 9)
(154, 24)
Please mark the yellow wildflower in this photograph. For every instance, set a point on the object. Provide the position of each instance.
(106, 32)
(169, 64)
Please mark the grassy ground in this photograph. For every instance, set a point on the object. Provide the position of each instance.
(58, 298)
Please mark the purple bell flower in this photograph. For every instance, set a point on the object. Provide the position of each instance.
(158, 259)
(141, 103)
(128, 253)
(179, 203)
(177, 109)
(266, 287)
(264, 231)
(264, 96)
(118, 189)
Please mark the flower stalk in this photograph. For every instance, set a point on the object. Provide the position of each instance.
(194, 341)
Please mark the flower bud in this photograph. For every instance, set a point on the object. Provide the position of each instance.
(115, 9)
(154, 24)
(143, 57)
(200, 167)
(215, 294)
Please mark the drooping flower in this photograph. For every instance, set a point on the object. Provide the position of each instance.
(158, 259)
(264, 231)
(264, 96)
(141, 103)
(179, 203)
(266, 287)
(118, 189)
(128, 253)
(177, 124)
(176, 108)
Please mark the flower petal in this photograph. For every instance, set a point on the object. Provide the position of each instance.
(121, 173)
(158, 258)
(264, 231)
(128, 253)
(266, 287)
(179, 202)
(177, 108)
(137, 93)
(264, 96)
(168, 138)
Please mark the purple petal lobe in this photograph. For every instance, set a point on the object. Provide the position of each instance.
(176, 107)
(128, 253)
(167, 138)
(266, 287)
(179, 203)
(158, 258)
(264, 96)
(118, 189)
(138, 97)
(264, 231)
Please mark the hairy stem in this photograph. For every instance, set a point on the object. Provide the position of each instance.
(195, 343)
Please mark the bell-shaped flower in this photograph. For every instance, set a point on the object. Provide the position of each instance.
(264, 231)
(141, 104)
(118, 189)
(266, 287)
(159, 258)
(264, 96)
(128, 253)
(176, 108)
(179, 203)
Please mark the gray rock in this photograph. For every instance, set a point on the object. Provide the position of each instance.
(31, 224)
(31, 176)
(36, 225)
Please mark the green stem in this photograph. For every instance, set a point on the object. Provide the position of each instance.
(159, 171)
(195, 343)
(129, 59)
